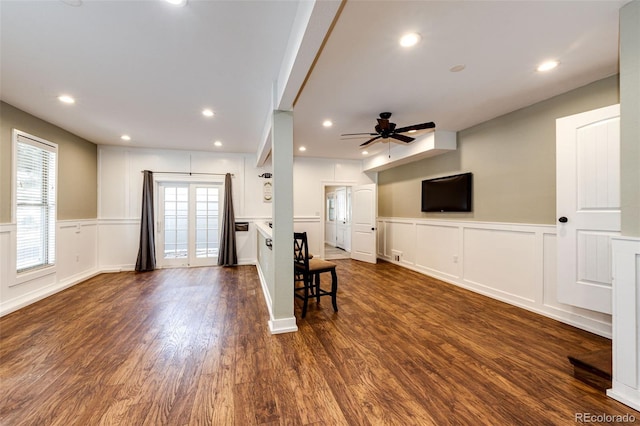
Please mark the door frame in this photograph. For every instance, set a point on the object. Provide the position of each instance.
(165, 178)
(323, 213)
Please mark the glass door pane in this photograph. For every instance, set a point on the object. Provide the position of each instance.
(176, 222)
(207, 222)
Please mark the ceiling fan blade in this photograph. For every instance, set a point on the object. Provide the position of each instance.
(344, 138)
(429, 125)
(369, 141)
(357, 134)
(402, 138)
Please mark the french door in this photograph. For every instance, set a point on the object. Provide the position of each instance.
(188, 224)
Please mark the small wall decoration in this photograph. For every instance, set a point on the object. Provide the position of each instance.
(267, 192)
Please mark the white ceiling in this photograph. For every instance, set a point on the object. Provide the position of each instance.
(147, 69)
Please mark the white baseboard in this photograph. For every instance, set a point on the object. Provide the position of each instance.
(625, 395)
(280, 325)
(283, 325)
(41, 293)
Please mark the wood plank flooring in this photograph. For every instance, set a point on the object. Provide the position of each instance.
(192, 347)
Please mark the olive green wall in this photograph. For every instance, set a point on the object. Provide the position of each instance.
(629, 118)
(77, 165)
(512, 159)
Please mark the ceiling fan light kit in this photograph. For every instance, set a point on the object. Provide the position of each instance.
(385, 130)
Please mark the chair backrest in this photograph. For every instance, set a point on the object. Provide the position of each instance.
(300, 250)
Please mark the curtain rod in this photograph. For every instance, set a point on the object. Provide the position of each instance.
(190, 173)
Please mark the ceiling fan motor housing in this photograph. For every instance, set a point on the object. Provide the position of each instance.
(385, 129)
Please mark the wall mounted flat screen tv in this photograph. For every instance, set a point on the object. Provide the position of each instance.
(447, 194)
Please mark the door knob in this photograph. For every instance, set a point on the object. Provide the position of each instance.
(563, 219)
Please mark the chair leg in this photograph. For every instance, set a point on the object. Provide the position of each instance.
(334, 289)
(317, 287)
(306, 296)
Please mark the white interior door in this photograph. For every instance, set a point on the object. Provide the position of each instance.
(364, 203)
(330, 222)
(188, 224)
(341, 217)
(587, 205)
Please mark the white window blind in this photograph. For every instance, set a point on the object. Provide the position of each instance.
(35, 202)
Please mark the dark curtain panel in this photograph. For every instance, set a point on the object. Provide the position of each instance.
(147, 251)
(227, 255)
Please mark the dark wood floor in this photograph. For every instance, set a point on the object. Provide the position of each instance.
(191, 347)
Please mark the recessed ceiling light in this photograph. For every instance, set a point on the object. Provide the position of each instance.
(410, 39)
(412, 131)
(457, 68)
(207, 112)
(365, 152)
(125, 137)
(547, 66)
(177, 2)
(327, 123)
(66, 99)
(302, 149)
(217, 143)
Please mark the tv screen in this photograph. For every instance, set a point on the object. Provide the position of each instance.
(447, 194)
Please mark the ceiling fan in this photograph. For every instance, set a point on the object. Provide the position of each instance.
(385, 129)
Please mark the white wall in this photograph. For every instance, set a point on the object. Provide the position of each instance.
(120, 195)
(310, 177)
(515, 263)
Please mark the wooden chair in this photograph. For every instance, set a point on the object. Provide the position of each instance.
(307, 274)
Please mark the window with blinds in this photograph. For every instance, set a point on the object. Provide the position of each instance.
(35, 202)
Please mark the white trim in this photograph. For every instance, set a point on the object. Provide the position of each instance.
(52, 148)
(322, 219)
(265, 289)
(25, 277)
(7, 228)
(309, 219)
(625, 394)
(41, 293)
(74, 223)
(283, 325)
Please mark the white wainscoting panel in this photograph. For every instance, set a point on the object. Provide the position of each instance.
(118, 241)
(76, 250)
(501, 260)
(626, 321)
(514, 263)
(401, 239)
(438, 249)
(119, 238)
(310, 225)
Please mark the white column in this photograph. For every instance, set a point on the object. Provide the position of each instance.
(282, 317)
